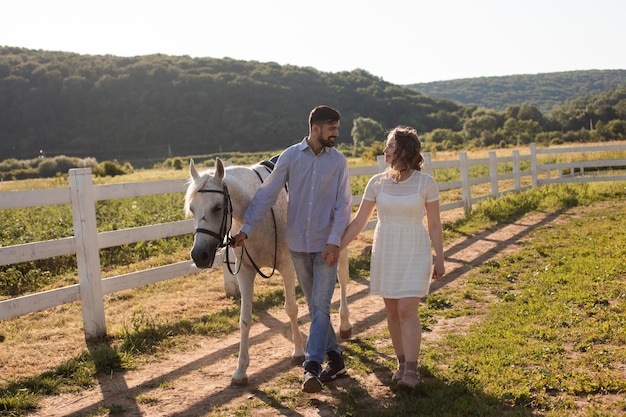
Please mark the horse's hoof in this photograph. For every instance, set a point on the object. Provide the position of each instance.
(297, 360)
(239, 382)
(345, 334)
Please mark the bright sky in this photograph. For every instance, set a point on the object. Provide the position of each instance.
(401, 41)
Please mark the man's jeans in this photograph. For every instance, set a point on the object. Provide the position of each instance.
(317, 281)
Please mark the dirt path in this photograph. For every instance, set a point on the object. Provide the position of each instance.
(198, 381)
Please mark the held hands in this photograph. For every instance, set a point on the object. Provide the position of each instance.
(238, 239)
(330, 254)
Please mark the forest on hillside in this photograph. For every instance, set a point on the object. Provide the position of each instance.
(544, 91)
(145, 109)
(158, 106)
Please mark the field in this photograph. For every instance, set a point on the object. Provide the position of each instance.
(529, 321)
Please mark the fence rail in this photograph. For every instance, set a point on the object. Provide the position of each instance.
(87, 242)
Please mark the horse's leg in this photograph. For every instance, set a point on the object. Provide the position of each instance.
(291, 308)
(246, 287)
(230, 280)
(345, 327)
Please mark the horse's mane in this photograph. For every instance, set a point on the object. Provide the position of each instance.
(195, 185)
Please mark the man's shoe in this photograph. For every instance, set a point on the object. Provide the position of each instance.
(311, 381)
(335, 368)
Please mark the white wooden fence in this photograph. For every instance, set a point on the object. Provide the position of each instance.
(87, 242)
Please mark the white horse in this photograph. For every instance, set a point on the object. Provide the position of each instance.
(217, 202)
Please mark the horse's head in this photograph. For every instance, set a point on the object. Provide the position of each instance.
(207, 200)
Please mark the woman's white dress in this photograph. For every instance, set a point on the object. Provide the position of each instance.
(401, 263)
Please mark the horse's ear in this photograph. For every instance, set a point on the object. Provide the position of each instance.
(192, 170)
(219, 169)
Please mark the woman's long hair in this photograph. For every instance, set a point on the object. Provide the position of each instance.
(408, 152)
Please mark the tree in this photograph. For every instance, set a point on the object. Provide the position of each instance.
(366, 131)
(613, 130)
(475, 126)
(528, 112)
(443, 139)
(519, 132)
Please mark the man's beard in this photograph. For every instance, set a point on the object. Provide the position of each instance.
(327, 142)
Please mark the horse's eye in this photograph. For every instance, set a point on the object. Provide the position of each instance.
(217, 208)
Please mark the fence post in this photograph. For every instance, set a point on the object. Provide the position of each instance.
(428, 164)
(493, 173)
(380, 163)
(87, 252)
(533, 164)
(465, 182)
(517, 180)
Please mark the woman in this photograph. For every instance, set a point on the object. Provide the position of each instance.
(401, 264)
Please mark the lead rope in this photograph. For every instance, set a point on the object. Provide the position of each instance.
(243, 248)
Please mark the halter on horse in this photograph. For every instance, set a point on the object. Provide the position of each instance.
(224, 235)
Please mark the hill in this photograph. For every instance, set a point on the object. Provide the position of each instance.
(160, 106)
(544, 91)
(146, 109)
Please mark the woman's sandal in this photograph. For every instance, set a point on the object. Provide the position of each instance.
(397, 376)
(409, 380)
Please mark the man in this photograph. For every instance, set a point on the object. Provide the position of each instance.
(319, 209)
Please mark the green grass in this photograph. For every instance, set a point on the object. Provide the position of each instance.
(551, 198)
(558, 330)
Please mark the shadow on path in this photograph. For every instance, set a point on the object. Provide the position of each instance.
(472, 251)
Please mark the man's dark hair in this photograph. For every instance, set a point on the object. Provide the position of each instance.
(324, 114)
